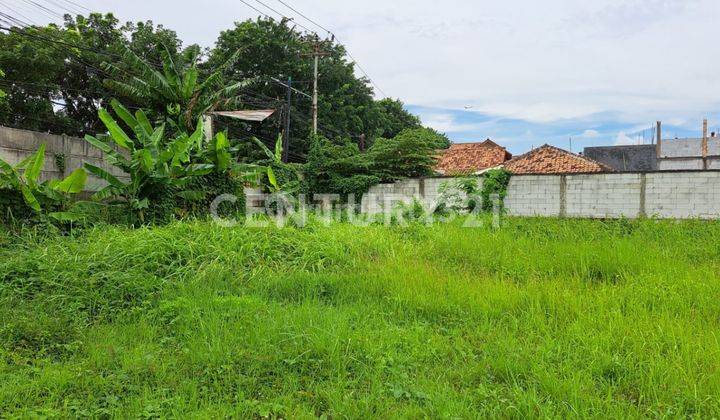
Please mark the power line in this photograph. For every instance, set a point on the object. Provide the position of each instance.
(256, 9)
(27, 19)
(45, 10)
(79, 6)
(285, 17)
(69, 9)
(305, 17)
(335, 37)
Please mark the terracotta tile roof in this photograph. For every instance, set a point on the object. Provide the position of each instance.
(553, 160)
(469, 158)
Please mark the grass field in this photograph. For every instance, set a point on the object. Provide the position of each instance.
(540, 318)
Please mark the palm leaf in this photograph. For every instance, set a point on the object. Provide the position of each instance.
(272, 178)
(29, 198)
(117, 133)
(278, 149)
(144, 122)
(124, 114)
(104, 175)
(264, 148)
(35, 165)
(73, 184)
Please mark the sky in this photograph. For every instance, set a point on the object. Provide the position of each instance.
(522, 72)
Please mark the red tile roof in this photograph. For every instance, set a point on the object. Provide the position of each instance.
(553, 160)
(470, 158)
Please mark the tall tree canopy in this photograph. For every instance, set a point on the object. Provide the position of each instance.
(54, 76)
(270, 48)
(57, 78)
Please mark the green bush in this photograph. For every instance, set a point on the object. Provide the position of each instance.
(495, 182)
(212, 186)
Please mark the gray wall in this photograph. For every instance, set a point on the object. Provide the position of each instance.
(681, 195)
(639, 158)
(687, 154)
(387, 196)
(16, 145)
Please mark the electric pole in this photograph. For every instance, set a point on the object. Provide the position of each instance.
(286, 137)
(317, 53)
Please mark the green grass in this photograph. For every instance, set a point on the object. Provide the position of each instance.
(541, 318)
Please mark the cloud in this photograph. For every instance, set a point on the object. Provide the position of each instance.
(623, 140)
(590, 134)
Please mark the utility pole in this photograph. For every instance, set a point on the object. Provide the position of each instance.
(315, 92)
(286, 137)
(362, 142)
(316, 54)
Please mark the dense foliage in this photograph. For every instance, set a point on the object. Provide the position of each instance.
(54, 75)
(495, 184)
(71, 66)
(51, 197)
(340, 168)
(161, 168)
(62, 79)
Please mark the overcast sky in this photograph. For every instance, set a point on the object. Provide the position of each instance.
(523, 72)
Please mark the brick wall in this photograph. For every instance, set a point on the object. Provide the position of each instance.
(16, 145)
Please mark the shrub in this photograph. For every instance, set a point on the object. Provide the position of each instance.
(495, 181)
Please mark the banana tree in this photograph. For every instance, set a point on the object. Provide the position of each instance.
(41, 196)
(176, 90)
(275, 160)
(156, 165)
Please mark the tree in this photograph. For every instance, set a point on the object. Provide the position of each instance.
(54, 76)
(394, 118)
(2, 93)
(159, 167)
(270, 48)
(412, 153)
(337, 169)
(175, 93)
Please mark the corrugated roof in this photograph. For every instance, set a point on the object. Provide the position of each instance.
(553, 160)
(249, 115)
(470, 158)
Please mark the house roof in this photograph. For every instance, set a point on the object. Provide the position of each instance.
(553, 160)
(469, 158)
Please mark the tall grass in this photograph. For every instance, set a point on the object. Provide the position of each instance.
(538, 318)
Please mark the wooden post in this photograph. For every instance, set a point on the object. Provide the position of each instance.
(705, 144)
(659, 139)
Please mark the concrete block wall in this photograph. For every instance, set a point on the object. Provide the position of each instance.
(678, 194)
(687, 154)
(533, 195)
(379, 197)
(603, 195)
(683, 195)
(16, 145)
(678, 148)
(684, 164)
